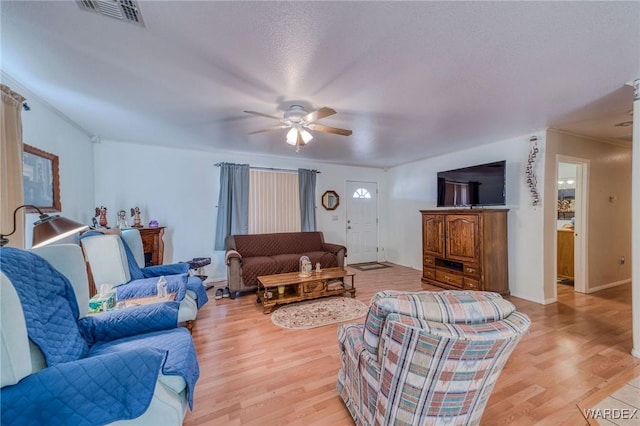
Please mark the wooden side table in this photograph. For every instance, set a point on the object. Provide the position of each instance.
(152, 245)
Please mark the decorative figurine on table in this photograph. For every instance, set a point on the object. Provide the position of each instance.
(102, 212)
(122, 220)
(135, 213)
(304, 267)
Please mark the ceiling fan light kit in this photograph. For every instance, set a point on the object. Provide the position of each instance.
(298, 120)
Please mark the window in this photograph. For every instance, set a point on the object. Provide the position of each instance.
(457, 194)
(361, 193)
(274, 202)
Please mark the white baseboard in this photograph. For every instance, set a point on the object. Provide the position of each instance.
(606, 286)
(635, 353)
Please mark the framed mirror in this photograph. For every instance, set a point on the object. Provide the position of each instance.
(330, 200)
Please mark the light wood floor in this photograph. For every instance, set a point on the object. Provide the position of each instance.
(254, 373)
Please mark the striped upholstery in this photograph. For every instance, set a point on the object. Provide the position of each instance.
(426, 357)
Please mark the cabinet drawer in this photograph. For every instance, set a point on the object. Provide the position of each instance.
(471, 284)
(429, 273)
(313, 286)
(429, 261)
(451, 279)
(471, 270)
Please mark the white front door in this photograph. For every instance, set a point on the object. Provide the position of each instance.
(362, 222)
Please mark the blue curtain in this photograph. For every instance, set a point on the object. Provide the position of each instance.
(307, 188)
(233, 202)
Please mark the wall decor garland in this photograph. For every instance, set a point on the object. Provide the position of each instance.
(532, 180)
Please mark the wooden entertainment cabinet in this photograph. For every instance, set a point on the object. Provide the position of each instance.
(465, 249)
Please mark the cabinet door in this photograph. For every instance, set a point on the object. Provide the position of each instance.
(432, 234)
(462, 237)
(565, 253)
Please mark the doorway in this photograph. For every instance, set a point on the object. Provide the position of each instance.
(362, 221)
(571, 215)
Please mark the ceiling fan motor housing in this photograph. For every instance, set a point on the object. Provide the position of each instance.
(294, 115)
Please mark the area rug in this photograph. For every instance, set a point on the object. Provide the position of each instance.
(370, 266)
(316, 313)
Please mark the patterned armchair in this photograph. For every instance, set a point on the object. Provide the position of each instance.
(426, 357)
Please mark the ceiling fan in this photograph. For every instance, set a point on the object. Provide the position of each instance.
(298, 120)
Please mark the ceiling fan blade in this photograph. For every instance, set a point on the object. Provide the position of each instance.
(264, 115)
(318, 114)
(322, 128)
(299, 141)
(282, 126)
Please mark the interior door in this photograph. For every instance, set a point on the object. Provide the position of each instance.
(362, 222)
(573, 173)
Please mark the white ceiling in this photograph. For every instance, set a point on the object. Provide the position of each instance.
(412, 80)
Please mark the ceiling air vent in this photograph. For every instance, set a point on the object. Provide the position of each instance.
(123, 10)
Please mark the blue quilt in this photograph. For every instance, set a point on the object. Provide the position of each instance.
(181, 356)
(192, 283)
(49, 305)
(74, 368)
(134, 321)
(143, 280)
(147, 287)
(90, 391)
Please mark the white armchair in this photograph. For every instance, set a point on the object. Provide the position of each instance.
(22, 358)
(109, 265)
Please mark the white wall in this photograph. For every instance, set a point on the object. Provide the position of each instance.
(179, 188)
(608, 223)
(44, 127)
(412, 187)
(635, 231)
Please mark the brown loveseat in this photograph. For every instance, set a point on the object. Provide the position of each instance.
(250, 256)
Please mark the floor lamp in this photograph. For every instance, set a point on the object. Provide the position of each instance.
(47, 229)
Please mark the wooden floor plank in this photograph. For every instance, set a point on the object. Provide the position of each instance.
(255, 373)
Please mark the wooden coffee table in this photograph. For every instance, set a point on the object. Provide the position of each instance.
(280, 289)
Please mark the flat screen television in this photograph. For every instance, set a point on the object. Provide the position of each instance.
(481, 185)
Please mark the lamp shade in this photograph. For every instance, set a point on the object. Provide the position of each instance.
(53, 228)
(292, 136)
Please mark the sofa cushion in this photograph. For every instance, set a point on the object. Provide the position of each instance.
(278, 243)
(287, 262)
(326, 259)
(253, 267)
(108, 259)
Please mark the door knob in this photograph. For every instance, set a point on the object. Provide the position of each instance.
(348, 227)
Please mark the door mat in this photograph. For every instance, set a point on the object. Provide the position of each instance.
(316, 313)
(369, 266)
